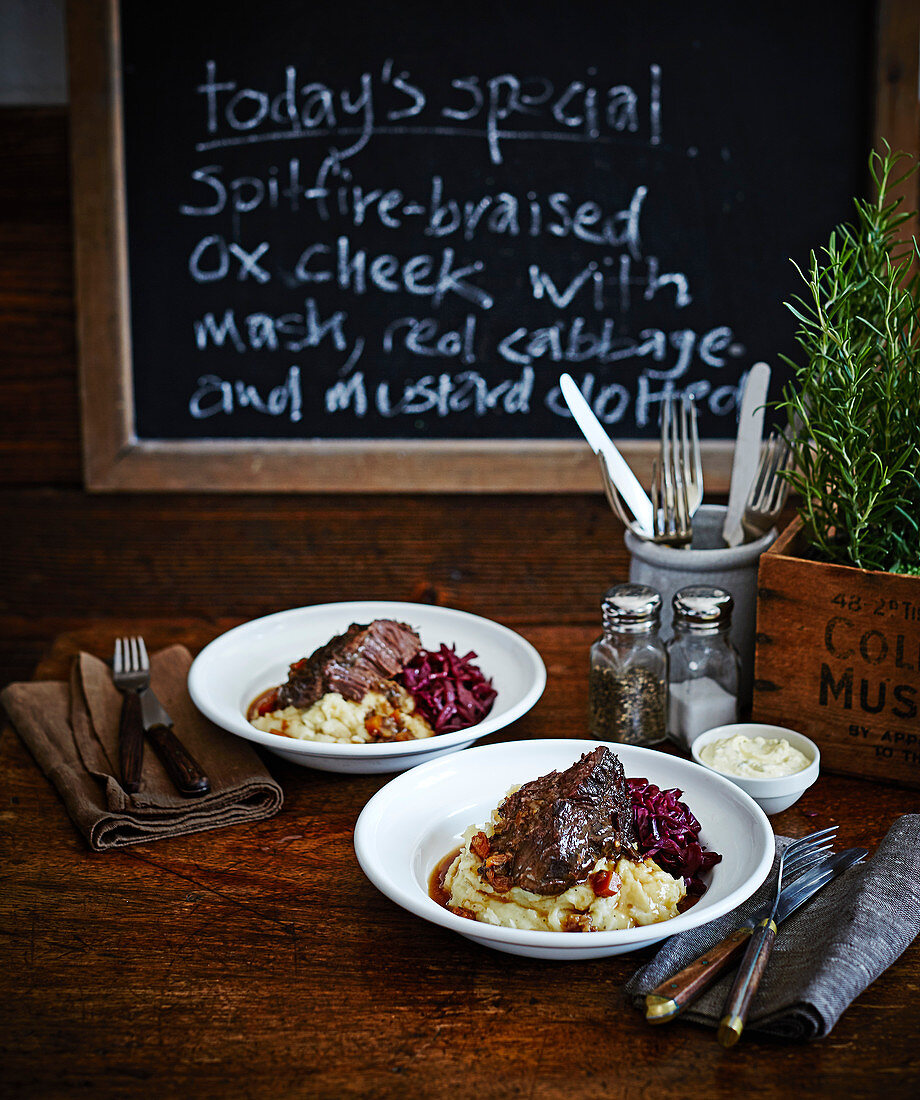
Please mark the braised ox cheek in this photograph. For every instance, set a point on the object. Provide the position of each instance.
(552, 831)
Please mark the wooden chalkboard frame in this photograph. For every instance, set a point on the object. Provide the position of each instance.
(115, 460)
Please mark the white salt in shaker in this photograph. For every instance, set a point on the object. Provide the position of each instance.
(704, 666)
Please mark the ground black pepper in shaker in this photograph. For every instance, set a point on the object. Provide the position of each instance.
(628, 678)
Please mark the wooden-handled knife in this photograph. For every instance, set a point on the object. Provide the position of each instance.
(183, 769)
(676, 993)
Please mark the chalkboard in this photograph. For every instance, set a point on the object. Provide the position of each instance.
(356, 248)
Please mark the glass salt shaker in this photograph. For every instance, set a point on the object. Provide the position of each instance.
(704, 665)
(628, 679)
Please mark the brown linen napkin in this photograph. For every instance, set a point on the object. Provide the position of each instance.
(825, 955)
(71, 729)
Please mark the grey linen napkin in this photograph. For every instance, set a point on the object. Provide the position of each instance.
(71, 729)
(825, 955)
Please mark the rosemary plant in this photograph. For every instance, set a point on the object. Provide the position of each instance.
(854, 401)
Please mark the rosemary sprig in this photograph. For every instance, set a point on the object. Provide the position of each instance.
(854, 402)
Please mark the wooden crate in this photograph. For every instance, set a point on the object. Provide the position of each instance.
(838, 658)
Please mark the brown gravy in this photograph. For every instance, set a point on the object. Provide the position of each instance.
(436, 889)
(262, 704)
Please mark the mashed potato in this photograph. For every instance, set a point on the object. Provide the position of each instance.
(376, 718)
(647, 895)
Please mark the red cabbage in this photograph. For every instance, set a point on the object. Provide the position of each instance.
(449, 691)
(668, 833)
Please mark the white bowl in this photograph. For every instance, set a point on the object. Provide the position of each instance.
(242, 663)
(417, 819)
(771, 793)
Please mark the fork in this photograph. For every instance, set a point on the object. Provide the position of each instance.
(681, 433)
(670, 526)
(769, 488)
(677, 478)
(618, 506)
(131, 675)
(794, 861)
(616, 503)
(671, 513)
(677, 486)
(182, 768)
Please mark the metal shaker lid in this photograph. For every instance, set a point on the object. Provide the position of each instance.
(702, 607)
(631, 606)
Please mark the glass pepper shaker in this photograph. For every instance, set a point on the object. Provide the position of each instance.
(628, 679)
(704, 665)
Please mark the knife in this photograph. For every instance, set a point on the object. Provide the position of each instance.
(747, 451)
(600, 442)
(666, 1001)
(183, 769)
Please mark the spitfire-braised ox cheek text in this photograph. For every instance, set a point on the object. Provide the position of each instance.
(375, 683)
(583, 850)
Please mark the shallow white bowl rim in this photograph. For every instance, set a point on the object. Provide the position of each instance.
(228, 712)
(636, 761)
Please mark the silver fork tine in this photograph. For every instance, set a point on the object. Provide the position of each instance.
(758, 482)
(780, 486)
(667, 462)
(681, 509)
(684, 436)
(655, 494)
(669, 518)
(129, 672)
(769, 472)
(770, 488)
(669, 479)
(143, 659)
(805, 854)
(764, 473)
(808, 857)
(820, 834)
(693, 462)
(613, 498)
(768, 479)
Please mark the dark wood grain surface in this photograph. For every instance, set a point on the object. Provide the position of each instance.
(260, 959)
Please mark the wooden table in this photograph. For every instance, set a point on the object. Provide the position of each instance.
(259, 961)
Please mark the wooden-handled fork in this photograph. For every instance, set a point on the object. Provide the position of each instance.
(676, 993)
(130, 678)
(802, 853)
(141, 712)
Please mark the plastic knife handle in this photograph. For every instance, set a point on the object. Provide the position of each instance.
(131, 742)
(747, 980)
(666, 1001)
(183, 769)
